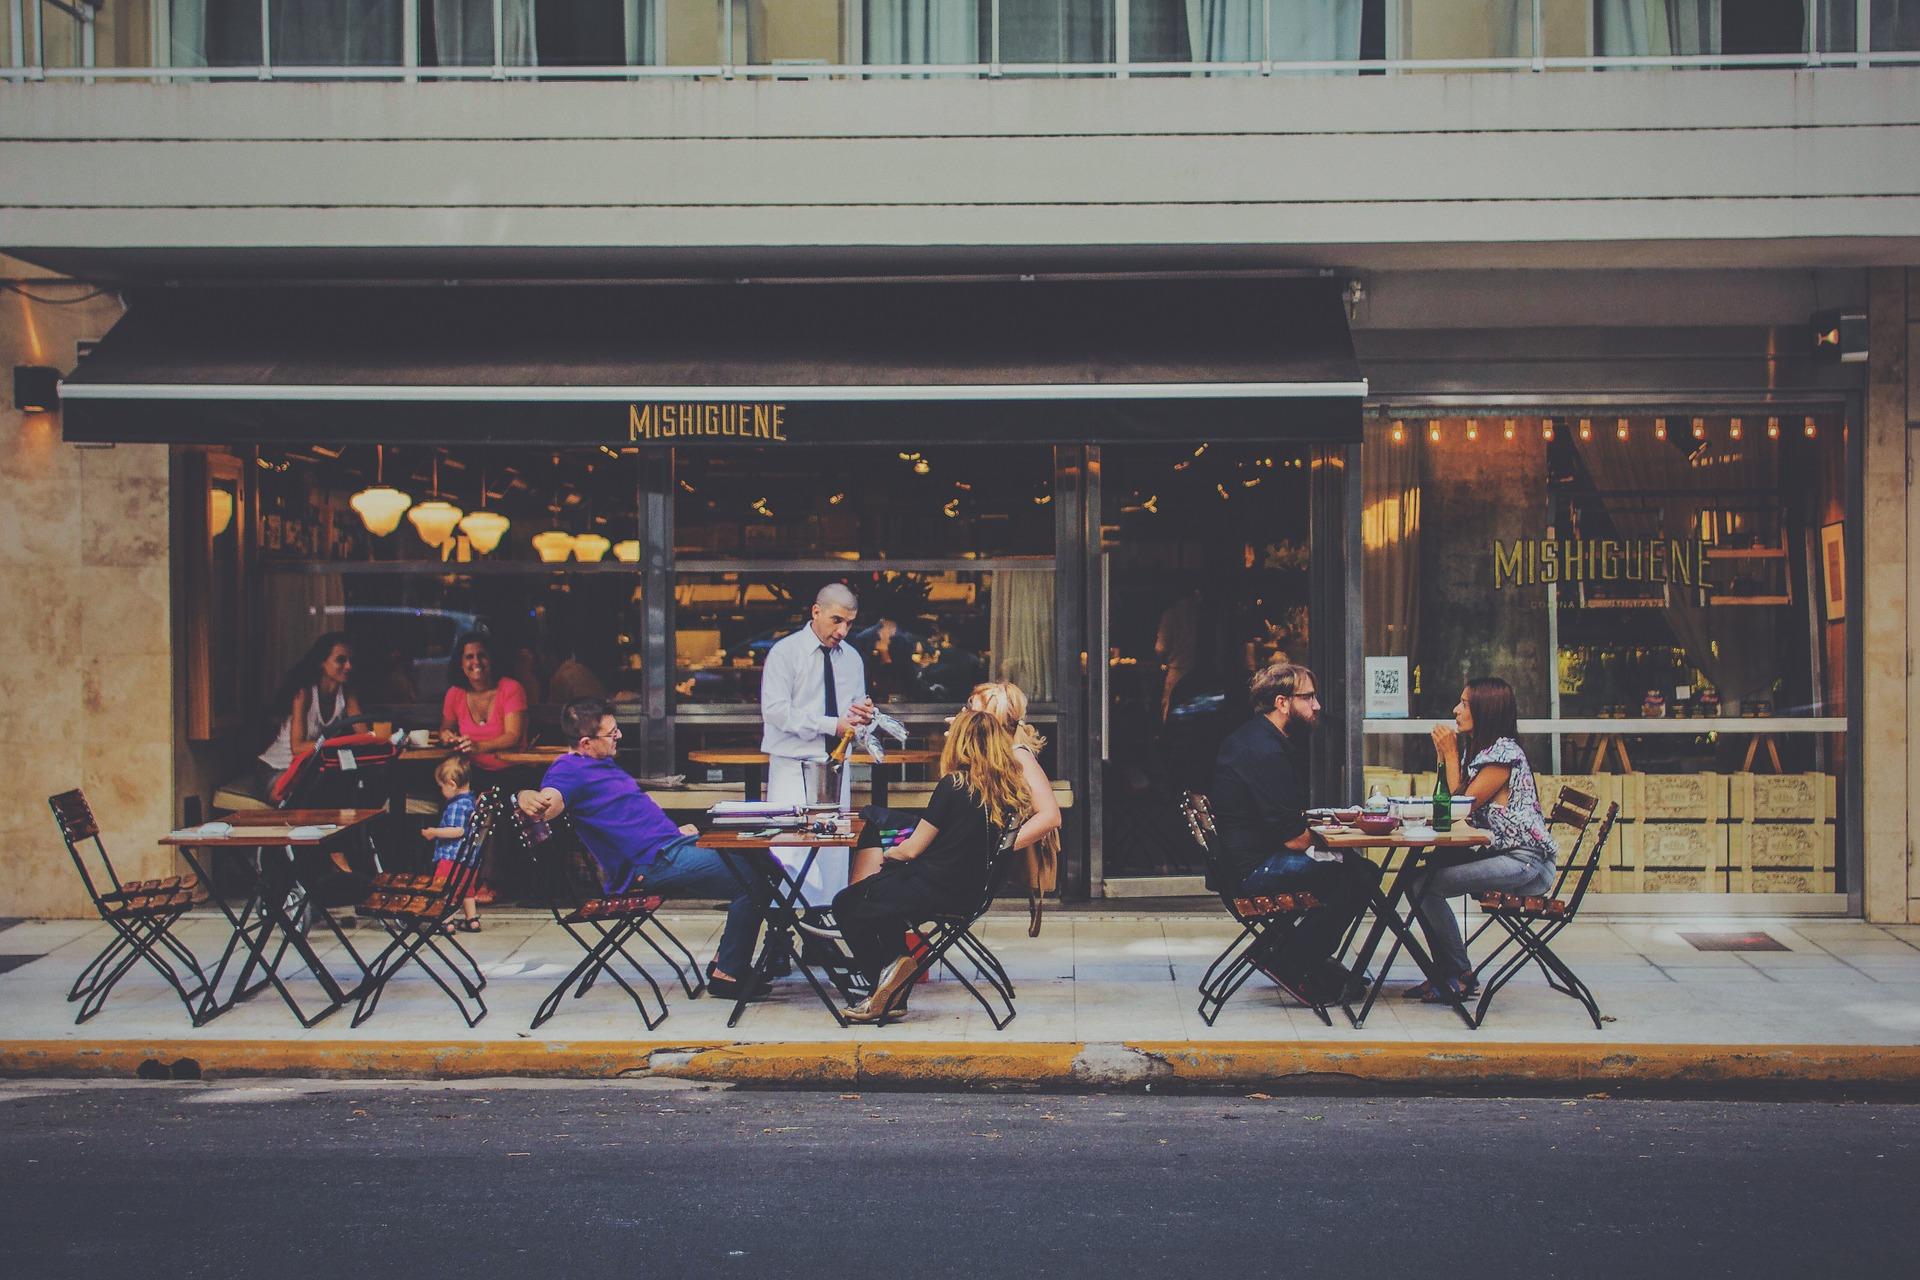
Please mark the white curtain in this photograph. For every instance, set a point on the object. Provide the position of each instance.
(1020, 623)
(1652, 28)
(916, 32)
(641, 33)
(463, 33)
(1228, 31)
(1056, 30)
(344, 33)
(1315, 30)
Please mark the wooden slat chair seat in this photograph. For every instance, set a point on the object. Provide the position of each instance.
(602, 924)
(1532, 906)
(416, 921)
(1261, 917)
(945, 933)
(142, 914)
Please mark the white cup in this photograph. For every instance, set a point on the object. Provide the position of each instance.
(420, 738)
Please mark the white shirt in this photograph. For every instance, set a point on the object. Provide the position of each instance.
(793, 695)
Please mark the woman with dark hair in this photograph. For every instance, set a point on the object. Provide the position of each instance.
(482, 713)
(1505, 803)
(311, 701)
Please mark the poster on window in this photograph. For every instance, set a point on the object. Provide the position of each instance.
(1386, 686)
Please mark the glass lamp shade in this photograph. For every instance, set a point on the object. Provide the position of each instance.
(553, 546)
(627, 551)
(219, 511)
(380, 507)
(484, 529)
(434, 521)
(590, 548)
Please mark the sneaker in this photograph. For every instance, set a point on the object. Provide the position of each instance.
(1331, 975)
(819, 924)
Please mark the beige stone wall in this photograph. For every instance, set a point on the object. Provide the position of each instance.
(86, 685)
(1884, 609)
(1913, 597)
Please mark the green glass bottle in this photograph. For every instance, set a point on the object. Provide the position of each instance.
(1442, 801)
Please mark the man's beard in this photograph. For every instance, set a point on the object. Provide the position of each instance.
(1298, 726)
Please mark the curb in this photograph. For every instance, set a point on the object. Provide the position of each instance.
(1170, 1065)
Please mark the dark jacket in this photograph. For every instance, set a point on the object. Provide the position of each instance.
(1259, 798)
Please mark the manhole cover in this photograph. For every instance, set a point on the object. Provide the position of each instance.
(1753, 941)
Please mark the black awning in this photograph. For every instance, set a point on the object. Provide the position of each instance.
(695, 365)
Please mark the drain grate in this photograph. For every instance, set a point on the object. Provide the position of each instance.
(1752, 941)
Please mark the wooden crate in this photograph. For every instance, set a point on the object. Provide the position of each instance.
(1678, 880)
(1685, 845)
(1674, 797)
(1783, 880)
(1605, 786)
(1392, 781)
(1787, 797)
(1762, 846)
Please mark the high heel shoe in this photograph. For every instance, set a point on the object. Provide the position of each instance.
(892, 978)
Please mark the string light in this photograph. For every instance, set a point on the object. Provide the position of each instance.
(1586, 428)
(1620, 429)
(1699, 428)
(1546, 429)
(1473, 429)
(1659, 428)
(1810, 429)
(1734, 430)
(1399, 431)
(1507, 428)
(1433, 433)
(1773, 428)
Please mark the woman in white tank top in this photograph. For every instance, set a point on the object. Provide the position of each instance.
(313, 701)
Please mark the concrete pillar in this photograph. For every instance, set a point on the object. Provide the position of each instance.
(1883, 610)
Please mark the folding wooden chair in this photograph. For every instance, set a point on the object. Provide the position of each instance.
(943, 934)
(1263, 919)
(416, 921)
(1533, 922)
(141, 913)
(603, 924)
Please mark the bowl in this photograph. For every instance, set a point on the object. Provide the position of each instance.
(1347, 816)
(1377, 824)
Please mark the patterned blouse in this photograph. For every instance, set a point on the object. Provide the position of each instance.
(1519, 826)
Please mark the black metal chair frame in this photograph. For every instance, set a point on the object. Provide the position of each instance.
(1533, 927)
(943, 934)
(141, 914)
(416, 923)
(602, 925)
(1259, 919)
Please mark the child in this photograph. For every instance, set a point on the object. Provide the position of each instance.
(454, 775)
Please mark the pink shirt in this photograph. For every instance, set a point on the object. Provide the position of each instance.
(509, 696)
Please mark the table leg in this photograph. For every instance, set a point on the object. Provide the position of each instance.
(753, 777)
(879, 774)
(1387, 917)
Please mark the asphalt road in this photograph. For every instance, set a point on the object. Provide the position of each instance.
(277, 1179)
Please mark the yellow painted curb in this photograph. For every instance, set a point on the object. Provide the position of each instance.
(960, 1065)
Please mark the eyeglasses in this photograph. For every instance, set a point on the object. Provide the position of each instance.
(610, 734)
(1305, 697)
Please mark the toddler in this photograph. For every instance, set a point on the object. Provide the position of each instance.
(454, 775)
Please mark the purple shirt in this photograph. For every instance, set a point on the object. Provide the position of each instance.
(619, 823)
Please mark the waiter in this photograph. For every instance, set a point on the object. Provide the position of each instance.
(812, 693)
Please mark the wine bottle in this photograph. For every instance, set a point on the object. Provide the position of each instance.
(1442, 800)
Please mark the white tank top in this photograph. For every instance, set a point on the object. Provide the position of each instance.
(280, 754)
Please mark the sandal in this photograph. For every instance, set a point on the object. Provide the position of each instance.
(468, 926)
(1455, 990)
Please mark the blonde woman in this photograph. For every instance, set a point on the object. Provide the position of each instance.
(1006, 702)
(942, 867)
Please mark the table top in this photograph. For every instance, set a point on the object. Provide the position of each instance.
(1461, 837)
(730, 838)
(895, 755)
(255, 827)
(520, 755)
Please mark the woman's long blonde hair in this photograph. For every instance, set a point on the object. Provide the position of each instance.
(1005, 701)
(979, 751)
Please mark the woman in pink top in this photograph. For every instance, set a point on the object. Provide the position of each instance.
(482, 714)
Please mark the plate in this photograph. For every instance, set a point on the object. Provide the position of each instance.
(1419, 833)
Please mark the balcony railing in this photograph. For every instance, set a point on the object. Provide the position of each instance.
(453, 40)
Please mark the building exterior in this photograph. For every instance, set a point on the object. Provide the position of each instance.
(1111, 348)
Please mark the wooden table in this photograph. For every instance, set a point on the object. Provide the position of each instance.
(537, 757)
(778, 889)
(273, 906)
(754, 766)
(1461, 844)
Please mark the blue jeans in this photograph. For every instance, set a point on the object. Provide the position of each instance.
(1433, 891)
(683, 870)
(1343, 888)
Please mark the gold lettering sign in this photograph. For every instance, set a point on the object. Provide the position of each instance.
(1529, 562)
(746, 423)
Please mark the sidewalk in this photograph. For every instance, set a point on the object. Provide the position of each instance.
(1106, 999)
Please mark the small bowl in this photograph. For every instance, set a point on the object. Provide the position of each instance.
(1377, 824)
(1347, 816)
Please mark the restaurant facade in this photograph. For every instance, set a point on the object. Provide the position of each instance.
(1664, 492)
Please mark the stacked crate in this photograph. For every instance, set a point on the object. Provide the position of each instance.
(1614, 875)
(1782, 833)
(1678, 840)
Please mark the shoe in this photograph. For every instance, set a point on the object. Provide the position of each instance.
(1330, 975)
(1293, 984)
(818, 923)
(468, 926)
(1465, 985)
(730, 988)
(892, 978)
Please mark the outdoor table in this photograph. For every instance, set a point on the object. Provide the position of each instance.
(749, 855)
(1462, 844)
(274, 905)
(536, 757)
(754, 766)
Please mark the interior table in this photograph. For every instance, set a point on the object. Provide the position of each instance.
(1461, 844)
(750, 856)
(275, 903)
(523, 757)
(753, 765)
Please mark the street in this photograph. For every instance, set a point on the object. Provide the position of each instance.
(511, 1178)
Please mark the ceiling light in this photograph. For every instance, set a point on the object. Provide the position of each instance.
(434, 520)
(590, 548)
(627, 551)
(553, 546)
(484, 529)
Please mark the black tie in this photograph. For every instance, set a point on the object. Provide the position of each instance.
(833, 698)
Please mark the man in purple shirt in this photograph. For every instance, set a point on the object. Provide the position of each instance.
(636, 844)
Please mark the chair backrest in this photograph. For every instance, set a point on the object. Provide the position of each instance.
(77, 825)
(488, 809)
(1198, 811)
(554, 847)
(1591, 864)
(998, 860)
(1575, 809)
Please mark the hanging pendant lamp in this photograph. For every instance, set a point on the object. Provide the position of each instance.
(484, 528)
(627, 551)
(434, 520)
(553, 546)
(380, 506)
(590, 548)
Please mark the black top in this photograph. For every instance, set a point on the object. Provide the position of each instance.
(957, 860)
(1259, 797)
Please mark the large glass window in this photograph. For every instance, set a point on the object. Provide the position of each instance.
(1667, 595)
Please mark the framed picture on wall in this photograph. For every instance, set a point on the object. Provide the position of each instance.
(1833, 561)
